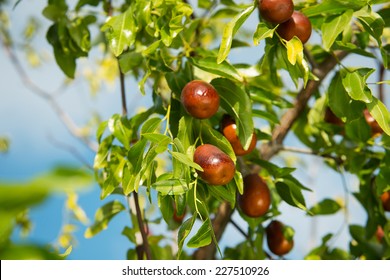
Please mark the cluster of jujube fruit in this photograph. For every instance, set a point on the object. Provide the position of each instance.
(291, 23)
(201, 100)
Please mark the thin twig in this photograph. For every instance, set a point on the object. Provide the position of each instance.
(145, 243)
(381, 88)
(71, 150)
(239, 228)
(141, 224)
(72, 128)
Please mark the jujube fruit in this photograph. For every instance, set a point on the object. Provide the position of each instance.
(229, 130)
(385, 198)
(277, 242)
(218, 167)
(298, 25)
(200, 99)
(256, 198)
(376, 130)
(331, 118)
(276, 11)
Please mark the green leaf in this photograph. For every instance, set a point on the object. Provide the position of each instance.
(333, 26)
(223, 69)
(202, 237)
(54, 12)
(103, 216)
(358, 130)
(230, 30)
(28, 252)
(183, 158)
(171, 186)
(340, 102)
(273, 169)
(325, 207)
(184, 231)
(82, 3)
(186, 133)
(332, 7)
(237, 104)
(121, 31)
(120, 127)
(291, 193)
(129, 61)
(239, 182)
(150, 125)
(380, 113)
(262, 32)
(225, 193)
(15, 198)
(294, 51)
(272, 118)
(372, 23)
(356, 87)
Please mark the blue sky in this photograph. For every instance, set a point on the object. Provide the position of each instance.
(29, 122)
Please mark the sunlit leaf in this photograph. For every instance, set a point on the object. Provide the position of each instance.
(230, 30)
(325, 207)
(202, 237)
(333, 26)
(237, 104)
(262, 32)
(103, 216)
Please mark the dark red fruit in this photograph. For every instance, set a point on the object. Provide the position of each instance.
(200, 99)
(277, 242)
(331, 118)
(229, 130)
(218, 167)
(276, 11)
(376, 130)
(298, 25)
(256, 198)
(385, 198)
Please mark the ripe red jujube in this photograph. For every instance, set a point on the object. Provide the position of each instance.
(256, 198)
(229, 130)
(200, 99)
(277, 242)
(218, 167)
(276, 11)
(298, 25)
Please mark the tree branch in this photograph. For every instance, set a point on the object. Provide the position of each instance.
(268, 150)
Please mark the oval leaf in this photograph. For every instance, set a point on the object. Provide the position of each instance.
(230, 30)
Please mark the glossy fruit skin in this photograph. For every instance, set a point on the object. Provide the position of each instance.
(376, 130)
(385, 198)
(276, 241)
(229, 130)
(276, 11)
(256, 198)
(331, 118)
(200, 99)
(218, 167)
(298, 25)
